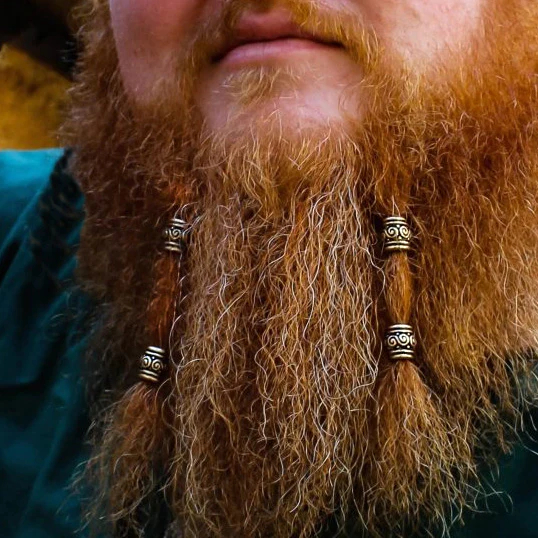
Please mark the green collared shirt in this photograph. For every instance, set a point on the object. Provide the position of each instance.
(42, 412)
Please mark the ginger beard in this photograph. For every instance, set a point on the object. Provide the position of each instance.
(281, 408)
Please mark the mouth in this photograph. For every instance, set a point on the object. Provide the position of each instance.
(259, 37)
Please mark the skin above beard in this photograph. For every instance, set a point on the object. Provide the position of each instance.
(280, 408)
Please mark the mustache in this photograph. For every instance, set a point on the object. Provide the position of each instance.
(341, 26)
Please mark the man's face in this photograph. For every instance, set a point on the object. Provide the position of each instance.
(281, 406)
(298, 67)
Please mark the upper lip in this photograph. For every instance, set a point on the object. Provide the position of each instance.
(256, 28)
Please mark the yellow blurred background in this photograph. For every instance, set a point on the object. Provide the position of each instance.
(32, 101)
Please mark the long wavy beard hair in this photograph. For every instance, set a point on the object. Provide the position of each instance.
(280, 408)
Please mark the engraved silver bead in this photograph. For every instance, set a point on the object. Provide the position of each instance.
(396, 234)
(176, 235)
(152, 365)
(400, 342)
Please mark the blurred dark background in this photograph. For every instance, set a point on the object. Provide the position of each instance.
(37, 54)
(42, 28)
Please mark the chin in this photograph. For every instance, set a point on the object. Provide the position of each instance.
(275, 125)
(277, 102)
(280, 119)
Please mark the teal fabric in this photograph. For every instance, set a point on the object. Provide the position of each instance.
(42, 411)
(513, 514)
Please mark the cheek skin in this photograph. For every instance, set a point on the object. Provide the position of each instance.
(421, 30)
(148, 34)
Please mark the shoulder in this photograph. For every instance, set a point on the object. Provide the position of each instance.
(43, 414)
(23, 174)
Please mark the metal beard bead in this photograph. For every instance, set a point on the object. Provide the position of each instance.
(152, 365)
(176, 235)
(396, 234)
(400, 342)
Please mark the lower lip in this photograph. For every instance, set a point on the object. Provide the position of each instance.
(269, 50)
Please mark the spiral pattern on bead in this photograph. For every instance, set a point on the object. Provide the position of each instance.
(152, 364)
(176, 235)
(400, 342)
(396, 234)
